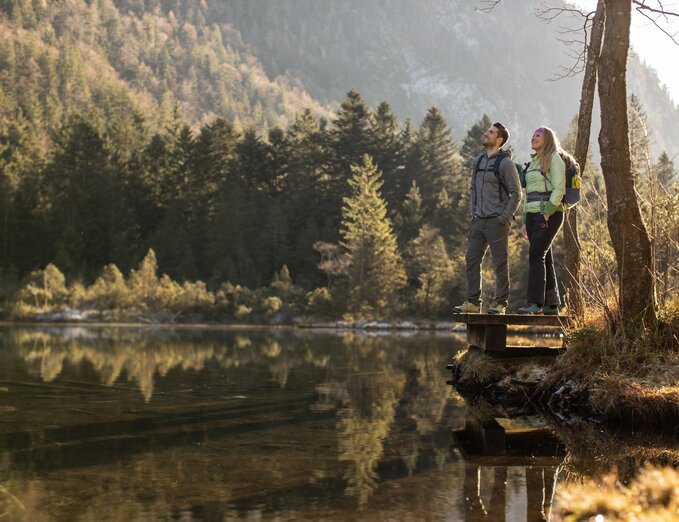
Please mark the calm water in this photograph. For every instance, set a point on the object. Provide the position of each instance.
(141, 424)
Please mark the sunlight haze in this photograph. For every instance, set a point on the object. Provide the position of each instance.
(654, 47)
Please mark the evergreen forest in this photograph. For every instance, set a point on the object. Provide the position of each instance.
(192, 182)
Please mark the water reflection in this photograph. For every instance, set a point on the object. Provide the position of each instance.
(124, 424)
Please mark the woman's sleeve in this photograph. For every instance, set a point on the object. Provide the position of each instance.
(557, 177)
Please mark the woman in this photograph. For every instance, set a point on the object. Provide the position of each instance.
(542, 219)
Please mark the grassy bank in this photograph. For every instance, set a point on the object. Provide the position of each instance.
(615, 375)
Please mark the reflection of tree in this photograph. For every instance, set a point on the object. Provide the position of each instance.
(404, 383)
(141, 355)
(368, 399)
(363, 428)
(387, 389)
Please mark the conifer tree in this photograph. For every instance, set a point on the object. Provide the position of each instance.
(471, 146)
(351, 134)
(409, 219)
(439, 176)
(375, 266)
(639, 139)
(387, 151)
(665, 171)
(432, 268)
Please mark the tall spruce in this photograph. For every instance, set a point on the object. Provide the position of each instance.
(665, 171)
(439, 175)
(376, 269)
(387, 152)
(471, 145)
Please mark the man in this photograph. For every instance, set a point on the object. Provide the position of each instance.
(495, 196)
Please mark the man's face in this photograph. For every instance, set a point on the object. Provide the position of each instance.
(491, 137)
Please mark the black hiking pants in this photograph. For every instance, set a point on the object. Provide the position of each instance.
(542, 284)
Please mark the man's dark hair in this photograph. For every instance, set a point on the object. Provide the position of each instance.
(503, 132)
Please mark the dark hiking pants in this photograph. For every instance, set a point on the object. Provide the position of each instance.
(542, 285)
(484, 233)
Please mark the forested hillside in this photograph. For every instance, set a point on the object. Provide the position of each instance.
(120, 59)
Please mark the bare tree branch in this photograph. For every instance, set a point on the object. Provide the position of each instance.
(657, 14)
(489, 5)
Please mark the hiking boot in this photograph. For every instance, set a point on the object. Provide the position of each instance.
(531, 309)
(497, 308)
(550, 310)
(467, 308)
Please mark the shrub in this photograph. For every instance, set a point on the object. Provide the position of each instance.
(270, 305)
(319, 302)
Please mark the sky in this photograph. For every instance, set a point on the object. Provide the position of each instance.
(654, 47)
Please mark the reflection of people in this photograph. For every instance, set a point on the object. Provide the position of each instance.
(495, 195)
(542, 219)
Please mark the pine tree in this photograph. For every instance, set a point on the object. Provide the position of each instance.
(639, 139)
(409, 219)
(439, 177)
(433, 269)
(351, 134)
(665, 171)
(471, 146)
(375, 266)
(388, 152)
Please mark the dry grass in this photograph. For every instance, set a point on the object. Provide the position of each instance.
(651, 496)
(634, 374)
(477, 369)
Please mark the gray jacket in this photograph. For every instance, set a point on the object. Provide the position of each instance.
(487, 198)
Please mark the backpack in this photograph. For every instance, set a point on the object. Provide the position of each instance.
(502, 187)
(522, 169)
(573, 179)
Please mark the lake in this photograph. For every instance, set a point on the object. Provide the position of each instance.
(136, 423)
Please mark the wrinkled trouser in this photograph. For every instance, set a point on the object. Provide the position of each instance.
(484, 233)
(542, 284)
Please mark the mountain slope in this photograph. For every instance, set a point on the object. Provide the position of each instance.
(104, 57)
(433, 52)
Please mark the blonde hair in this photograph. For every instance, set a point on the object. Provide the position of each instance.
(552, 145)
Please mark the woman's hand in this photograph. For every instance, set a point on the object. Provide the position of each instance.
(524, 233)
(546, 217)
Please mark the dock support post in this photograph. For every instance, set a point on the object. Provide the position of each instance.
(489, 337)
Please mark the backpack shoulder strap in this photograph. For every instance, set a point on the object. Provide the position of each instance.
(477, 167)
(496, 169)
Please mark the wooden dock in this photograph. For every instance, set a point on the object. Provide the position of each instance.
(488, 332)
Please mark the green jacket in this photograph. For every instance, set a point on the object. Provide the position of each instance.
(554, 182)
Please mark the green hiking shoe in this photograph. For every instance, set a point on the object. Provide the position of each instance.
(550, 310)
(497, 309)
(531, 309)
(467, 308)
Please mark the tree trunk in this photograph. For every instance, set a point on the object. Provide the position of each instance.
(571, 236)
(628, 233)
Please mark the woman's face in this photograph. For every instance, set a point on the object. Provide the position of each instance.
(538, 140)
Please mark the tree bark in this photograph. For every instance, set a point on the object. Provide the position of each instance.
(628, 233)
(571, 237)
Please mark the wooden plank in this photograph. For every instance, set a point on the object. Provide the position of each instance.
(488, 337)
(513, 319)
